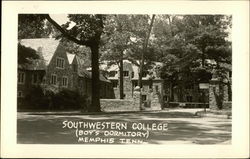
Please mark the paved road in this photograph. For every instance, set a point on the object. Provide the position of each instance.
(183, 128)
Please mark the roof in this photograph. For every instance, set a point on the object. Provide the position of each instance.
(128, 65)
(45, 47)
(86, 74)
(70, 57)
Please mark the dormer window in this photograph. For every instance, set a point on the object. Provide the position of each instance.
(59, 62)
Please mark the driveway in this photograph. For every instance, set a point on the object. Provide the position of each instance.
(183, 127)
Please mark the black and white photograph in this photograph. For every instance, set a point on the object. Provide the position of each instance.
(124, 79)
(86, 79)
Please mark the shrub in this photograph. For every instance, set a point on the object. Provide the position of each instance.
(40, 99)
(36, 99)
(66, 99)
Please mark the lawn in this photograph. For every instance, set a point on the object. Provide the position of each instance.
(181, 127)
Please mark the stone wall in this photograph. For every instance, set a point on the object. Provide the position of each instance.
(219, 89)
(66, 71)
(118, 105)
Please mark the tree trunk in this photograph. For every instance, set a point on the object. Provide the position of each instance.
(171, 92)
(145, 45)
(203, 57)
(95, 103)
(121, 79)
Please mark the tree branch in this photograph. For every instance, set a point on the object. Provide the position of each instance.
(65, 33)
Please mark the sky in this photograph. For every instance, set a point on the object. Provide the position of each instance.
(59, 18)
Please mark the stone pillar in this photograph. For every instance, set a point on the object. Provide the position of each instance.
(217, 88)
(156, 96)
(225, 93)
(155, 101)
(213, 88)
(136, 96)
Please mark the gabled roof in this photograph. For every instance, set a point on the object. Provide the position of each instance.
(86, 74)
(133, 67)
(45, 47)
(70, 57)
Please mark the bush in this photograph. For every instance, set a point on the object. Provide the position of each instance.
(67, 99)
(36, 99)
(39, 99)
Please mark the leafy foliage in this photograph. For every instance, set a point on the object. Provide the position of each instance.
(26, 54)
(32, 26)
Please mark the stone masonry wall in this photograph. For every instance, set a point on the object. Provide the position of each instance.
(59, 72)
(214, 88)
(118, 105)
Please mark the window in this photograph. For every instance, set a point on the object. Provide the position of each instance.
(74, 67)
(19, 94)
(21, 77)
(59, 62)
(65, 81)
(114, 83)
(112, 73)
(133, 74)
(144, 98)
(135, 84)
(189, 98)
(35, 78)
(165, 98)
(125, 73)
(53, 79)
(156, 88)
(144, 74)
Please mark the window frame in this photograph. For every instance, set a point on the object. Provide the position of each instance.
(65, 77)
(53, 80)
(60, 62)
(189, 98)
(127, 73)
(23, 77)
(74, 67)
(144, 74)
(20, 94)
(116, 83)
(142, 97)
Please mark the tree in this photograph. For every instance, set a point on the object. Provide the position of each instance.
(26, 54)
(87, 32)
(33, 26)
(188, 42)
(117, 41)
(29, 26)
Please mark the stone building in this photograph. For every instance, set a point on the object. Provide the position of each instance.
(56, 69)
(152, 84)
